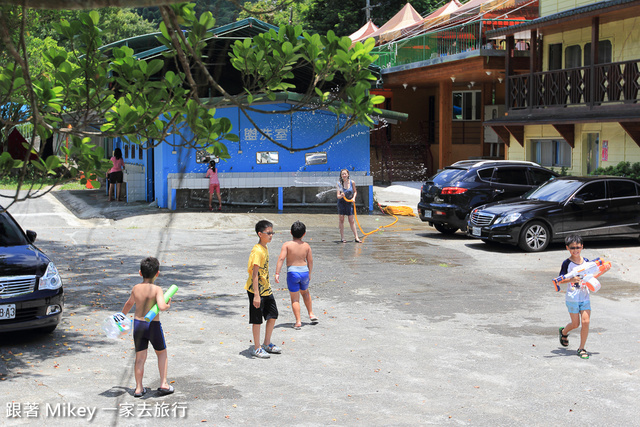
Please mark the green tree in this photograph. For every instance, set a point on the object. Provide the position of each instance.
(225, 11)
(131, 100)
(277, 12)
(118, 24)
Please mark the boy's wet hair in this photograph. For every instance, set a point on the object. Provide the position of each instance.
(574, 238)
(263, 225)
(149, 267)
(298, 229)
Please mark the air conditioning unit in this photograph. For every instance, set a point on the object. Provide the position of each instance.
(492, 112)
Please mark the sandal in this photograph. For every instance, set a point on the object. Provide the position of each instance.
(583, 353)
(564, 339)
(344, 241)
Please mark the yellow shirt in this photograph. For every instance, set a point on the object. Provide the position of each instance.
(260, 257)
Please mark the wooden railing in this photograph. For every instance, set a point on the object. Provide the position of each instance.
(438, 43)
(615, 82)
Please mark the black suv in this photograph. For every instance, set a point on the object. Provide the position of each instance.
(447, 198)
(31, 295)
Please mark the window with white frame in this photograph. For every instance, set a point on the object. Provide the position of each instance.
(550, 152)
(467, 105)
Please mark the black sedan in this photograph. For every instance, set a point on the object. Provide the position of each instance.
(597, 207)
(31, 295)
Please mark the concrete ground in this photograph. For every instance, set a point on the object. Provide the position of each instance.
(416, 328)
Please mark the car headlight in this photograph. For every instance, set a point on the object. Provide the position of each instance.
(512, 217)
(51, 279)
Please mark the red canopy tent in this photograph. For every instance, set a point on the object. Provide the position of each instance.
(364, 32)
(406, 18)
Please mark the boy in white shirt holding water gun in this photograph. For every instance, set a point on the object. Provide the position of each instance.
(574, 269)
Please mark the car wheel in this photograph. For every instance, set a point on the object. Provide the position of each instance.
(48, 329)
(445, 228)
(534, 237)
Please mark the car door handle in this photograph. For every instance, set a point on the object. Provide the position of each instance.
(498, 191)
(601, 208)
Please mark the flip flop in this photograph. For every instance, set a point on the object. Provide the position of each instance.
(344, 241)
(314, 320)
(165, 391)
(144, 391)
(297, 327)
(357, 241)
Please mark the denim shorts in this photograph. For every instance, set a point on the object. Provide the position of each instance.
(578, 306)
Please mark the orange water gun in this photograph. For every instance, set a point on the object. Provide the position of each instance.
(588, 272)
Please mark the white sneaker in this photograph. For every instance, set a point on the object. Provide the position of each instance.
(272, 348)
(260, 353)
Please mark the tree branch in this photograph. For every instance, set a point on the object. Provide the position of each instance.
(85, 4)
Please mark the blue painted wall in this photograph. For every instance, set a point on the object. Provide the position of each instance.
(303, 129)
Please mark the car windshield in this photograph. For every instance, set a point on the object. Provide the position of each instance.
(10, 233)
(449, 176)
(554, 191)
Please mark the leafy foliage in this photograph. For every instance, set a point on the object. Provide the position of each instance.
(278, 12)
(78, 85)
(626, 169)
(225, 11)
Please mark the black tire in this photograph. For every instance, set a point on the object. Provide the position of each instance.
(48, 329)
(534, 237)
(445, 228)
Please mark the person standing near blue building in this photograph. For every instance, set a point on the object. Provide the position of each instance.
(346, 191)
(116, 176)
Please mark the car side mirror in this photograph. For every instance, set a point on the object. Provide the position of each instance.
(578, 201)
(31, 236)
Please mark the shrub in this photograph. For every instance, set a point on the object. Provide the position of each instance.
(625, 169)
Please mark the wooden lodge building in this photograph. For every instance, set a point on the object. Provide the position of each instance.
(512, 79)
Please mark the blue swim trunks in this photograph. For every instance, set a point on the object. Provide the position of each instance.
(297, 278)
(145, 332)
(578, 306)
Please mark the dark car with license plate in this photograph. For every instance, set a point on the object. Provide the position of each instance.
(595, 207)
(31, 294)
(447, 198)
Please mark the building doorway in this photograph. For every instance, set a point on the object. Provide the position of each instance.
(591, 144)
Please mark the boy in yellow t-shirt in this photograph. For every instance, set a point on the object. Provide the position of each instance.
(262, 304)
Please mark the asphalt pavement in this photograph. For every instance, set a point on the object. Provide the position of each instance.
(416, 328)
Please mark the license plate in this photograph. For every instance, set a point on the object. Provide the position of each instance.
(427, 214)
(7, 311)
(476, 231)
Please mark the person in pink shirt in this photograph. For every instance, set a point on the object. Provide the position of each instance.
(115, 175)
(214, 184)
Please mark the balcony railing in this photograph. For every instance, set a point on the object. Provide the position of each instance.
(440, 43)
(615, 82)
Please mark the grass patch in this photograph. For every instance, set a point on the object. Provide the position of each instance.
(11, 183)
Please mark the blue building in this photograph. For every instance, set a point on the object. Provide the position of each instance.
(259, 172)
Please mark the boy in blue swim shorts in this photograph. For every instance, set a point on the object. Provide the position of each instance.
(299, 266)
(144, 296)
